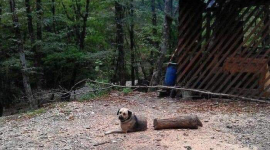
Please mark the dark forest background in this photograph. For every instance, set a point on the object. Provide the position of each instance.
(47, 44)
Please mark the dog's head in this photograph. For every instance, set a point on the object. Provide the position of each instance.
(124, 114)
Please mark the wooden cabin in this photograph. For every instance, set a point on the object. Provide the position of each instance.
(224, 46)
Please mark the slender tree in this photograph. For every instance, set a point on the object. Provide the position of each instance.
(1, 9)
(39, 12)
(19, 41)
(267, 18)
(132, 42)
(120, 67)
(155, 43)
(165, 42)
(31, 28)
(39, 21)
(1, 77)
(1, 109)
(53, 13)
(83, 32)
(38, 45)
(81, 36)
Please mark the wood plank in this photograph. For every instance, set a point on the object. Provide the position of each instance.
(196, 56)
(250, 52)
(224, 56)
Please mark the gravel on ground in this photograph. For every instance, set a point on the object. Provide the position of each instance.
(227, 124)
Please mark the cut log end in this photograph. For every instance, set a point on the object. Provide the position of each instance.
(182, 122)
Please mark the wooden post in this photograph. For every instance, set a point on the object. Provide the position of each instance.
(186, 122)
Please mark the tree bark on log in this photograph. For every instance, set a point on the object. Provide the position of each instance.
(181, 122)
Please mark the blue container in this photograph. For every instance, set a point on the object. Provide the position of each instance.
(170, 76)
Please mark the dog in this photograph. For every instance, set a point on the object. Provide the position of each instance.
(129, 122)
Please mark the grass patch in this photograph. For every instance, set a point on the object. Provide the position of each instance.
(97, 91)
(62, 104)
(67, 112)
(126, 91)
(91, 96)
(36, 112)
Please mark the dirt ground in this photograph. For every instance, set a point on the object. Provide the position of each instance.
(227, 125)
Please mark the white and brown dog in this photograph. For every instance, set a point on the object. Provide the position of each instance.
(129, 122)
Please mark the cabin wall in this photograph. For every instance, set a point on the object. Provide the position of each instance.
(224, 47)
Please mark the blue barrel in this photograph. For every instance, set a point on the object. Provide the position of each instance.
(170, 76)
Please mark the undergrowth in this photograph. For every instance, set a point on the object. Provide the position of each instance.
(126, 91)
(36, 112)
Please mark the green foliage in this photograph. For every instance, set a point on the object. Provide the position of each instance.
(71, 54)
(126, 91)
(36, 112)
(92, 95)
(96, 90)
(59, 59)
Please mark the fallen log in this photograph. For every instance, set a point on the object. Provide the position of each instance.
(181, 122)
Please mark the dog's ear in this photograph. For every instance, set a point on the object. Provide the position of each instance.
(118, 111)
(129, 113)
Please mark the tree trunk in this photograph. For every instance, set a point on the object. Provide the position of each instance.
(32, 38)
(155, 43)
(1, 77)
(1, 9)
(1, 13)
(165, 42)
(30, 25)
(119, 15)
(38, 56)
(132, 42)
(77, 17)
(26, 83)
(81, 37)
(186, 122)
(74, 75)
(53, 13)
(39, 21)
(267, 18)
(83, 33)
(143, 71)
(1, 109)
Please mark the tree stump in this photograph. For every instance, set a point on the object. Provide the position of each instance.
(181, 122)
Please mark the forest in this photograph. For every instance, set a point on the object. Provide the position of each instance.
(56, 43)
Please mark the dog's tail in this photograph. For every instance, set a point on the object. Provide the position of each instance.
(199, 123)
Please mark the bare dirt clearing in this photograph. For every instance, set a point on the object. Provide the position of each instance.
(81, 125)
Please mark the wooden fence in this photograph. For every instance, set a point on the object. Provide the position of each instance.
(224, 46)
